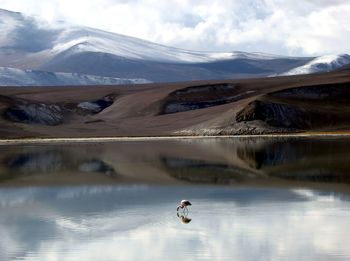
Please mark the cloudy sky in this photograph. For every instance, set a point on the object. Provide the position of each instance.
(288, 27)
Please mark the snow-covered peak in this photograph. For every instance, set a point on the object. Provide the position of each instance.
(27, 43)
(83, 39)
(29, 35)
(17, 77)
(324, 63)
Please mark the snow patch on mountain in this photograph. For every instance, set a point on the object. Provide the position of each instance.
(83, 52)
(84, 39)
(325, 63)
(17, 77)
(19, 31)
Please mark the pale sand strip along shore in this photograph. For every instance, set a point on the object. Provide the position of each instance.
(151, 138)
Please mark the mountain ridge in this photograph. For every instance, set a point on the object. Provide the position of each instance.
(31, 44)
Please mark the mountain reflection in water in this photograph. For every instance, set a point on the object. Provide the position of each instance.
(211, 161)
(253, 199)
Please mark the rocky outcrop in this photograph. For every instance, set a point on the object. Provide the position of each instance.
(96, 106)
(255, 127)
(199, 97)
(326, 92)
(33, 113)
(302, 108)
(275, 114)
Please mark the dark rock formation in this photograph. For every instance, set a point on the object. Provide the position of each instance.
(256, 127)
(275, 114)
(33, 113)
(198, 97)
(96, 106)
(302, 108)
(326, 92)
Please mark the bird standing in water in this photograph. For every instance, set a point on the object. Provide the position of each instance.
(183, 205)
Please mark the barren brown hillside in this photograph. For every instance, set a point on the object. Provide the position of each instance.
(255, 106)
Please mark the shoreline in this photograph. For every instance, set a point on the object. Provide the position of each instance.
(20, 141)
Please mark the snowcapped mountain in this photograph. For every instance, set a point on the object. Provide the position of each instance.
(325, 63)
(26, 43)
(64, 38)
(18, 77)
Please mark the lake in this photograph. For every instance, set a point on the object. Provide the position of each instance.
(253, 199)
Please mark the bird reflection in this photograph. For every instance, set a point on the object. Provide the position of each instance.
(184, 219)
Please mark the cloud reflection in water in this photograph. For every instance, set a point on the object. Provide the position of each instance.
(97, 223)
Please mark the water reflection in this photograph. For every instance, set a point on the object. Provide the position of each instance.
(184, 218)
(204, 171)
(254, 199)
(33, 161)
(110, 222)
(46, 161)
(219, 161)
(54, 161)
(323, 160)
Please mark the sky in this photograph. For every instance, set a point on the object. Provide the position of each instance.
(287, 27)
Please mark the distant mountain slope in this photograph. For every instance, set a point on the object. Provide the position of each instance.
(70, 40)
(26, 43)
(18, 77)
(325, 63)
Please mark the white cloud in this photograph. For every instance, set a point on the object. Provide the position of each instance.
(311, 27)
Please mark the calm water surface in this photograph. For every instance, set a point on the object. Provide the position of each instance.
(253, 199)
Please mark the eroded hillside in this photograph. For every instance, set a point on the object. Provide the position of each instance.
(257, 106)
